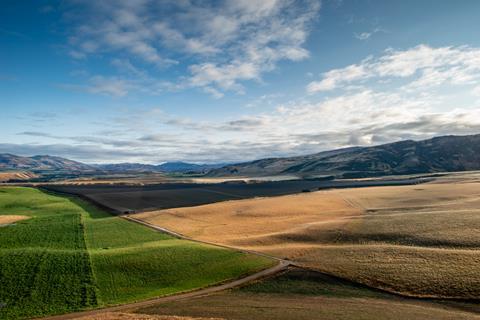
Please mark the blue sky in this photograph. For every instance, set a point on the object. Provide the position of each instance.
(154, 81)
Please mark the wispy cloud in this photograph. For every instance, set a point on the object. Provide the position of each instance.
(38, 134)
(368, 34)
(110, 86)
(220, 44)
(415, 93)
(13, 33)
(429, 66)
(363, 35)
(79, 152)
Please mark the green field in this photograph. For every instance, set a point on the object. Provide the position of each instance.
(71, 256)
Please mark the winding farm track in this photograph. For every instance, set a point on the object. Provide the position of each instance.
(281, 266)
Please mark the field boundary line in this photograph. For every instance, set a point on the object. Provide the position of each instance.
(224, 193)
(89, 258)
(183, 237)
(281, 266)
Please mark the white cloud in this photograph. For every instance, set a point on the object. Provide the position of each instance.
(476, 91)
(367, 35)
(125, 66)
(416, 93)
(224, 43)
(264, 100)
(77, 54)
(363, 35)
(430, 67)
(214, 92)
(109, 86)
(335, 77)
(303, 126)
(224, 77)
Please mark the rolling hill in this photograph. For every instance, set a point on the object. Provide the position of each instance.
(440, 154)
(446, 153)
(45, 163)
(180, 166)
(168, 167)
(42, 163)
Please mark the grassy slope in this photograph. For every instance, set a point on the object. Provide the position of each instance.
(46, 268)
(420, 241)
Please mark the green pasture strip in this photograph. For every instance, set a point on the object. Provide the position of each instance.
(132, 262)
(44, 267)
(132, 275)
(72, 256)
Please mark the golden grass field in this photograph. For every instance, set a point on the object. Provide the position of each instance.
(139, 179)
(304, 295)
(420, 240)
(245, 306)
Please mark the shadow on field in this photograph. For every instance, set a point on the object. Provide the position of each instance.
(306, 294)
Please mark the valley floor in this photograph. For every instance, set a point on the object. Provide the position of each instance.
(356, 250)
(419, 240)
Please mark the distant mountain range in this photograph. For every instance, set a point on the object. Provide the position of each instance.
(45, 164)
(41, 164)
(182, 167)
(447, 153)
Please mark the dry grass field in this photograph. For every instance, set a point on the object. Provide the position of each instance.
(245, 306)
(134, 316)
(304, 295)
(5, 176)
(419, 240)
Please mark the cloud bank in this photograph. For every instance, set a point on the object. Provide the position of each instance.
(416, 93)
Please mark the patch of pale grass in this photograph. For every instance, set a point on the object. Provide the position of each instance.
(8, 219)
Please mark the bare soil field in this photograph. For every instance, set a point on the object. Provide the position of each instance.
(419, 240)
(138, 198)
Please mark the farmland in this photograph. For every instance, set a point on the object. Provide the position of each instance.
(16, 175)
(71, 256)
(418, 240)
(121, 198)
(305, 295)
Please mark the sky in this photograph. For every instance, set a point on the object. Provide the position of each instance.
(228, 81)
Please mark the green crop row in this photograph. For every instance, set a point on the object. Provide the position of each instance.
(72, 256)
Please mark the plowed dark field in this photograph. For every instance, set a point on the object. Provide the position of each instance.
(129, 199)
